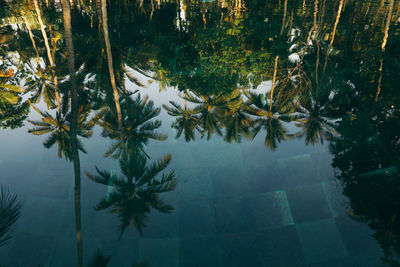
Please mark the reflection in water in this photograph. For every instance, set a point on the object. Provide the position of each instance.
(321, 71)
(136, 127)
(133, 196)
(9, 213)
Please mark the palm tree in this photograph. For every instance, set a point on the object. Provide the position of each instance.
(137, 192)
(234, 119)
(315, 122)
(59, 128)
(110, 61)
(207, 108)
(78, 127)
(269, 118)
(186, 121)
(137, 128)
(9, 213)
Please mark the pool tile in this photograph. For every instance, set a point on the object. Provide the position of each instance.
(194, 183)
(357, 236)
(271, 210)
(230, 181)
(308, 203)
(197, 217)
(336, 200)
(53, 183)
(298, 170)
(323, 161)
(253, 212)
(264, 178)
(233, 214)
(321, 241)
(40, 215)
(162, 252)
(199, 251)
(37, 250)
(66, 251)
(240, 250)
(160, 225)
(280, 247)
(369, 260)
(123, 252)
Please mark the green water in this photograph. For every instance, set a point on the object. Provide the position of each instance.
(199, 133)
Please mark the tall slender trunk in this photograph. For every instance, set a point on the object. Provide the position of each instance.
(42, 28)
(32, 39)
(46, 42)
(273, 83)
(284, 16)
(333, 32)
(110, 62)
(383, 47)
(74, 127)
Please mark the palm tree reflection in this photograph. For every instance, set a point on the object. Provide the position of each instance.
(59, 127)
(268, 118)
(137, 190)
(137, 128)
(9, 213)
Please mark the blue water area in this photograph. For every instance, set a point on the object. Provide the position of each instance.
(199, 133)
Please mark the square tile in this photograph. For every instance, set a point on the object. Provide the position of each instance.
(233, 214)
(199, 251)
(66, 251)
(270, 210)
(265, 178)
(163, 252)
(323, 161)
(42, 216)
(124, 252)
(308, 203)
(321, 241)
(28, 249)
(240, 250)
(230, 181)
(194, 184)
(297, 171)
(252, 212)
(336, 200)
(161, 225)
(53, 183)
(357, 236)
(280, 247)
(197, 218)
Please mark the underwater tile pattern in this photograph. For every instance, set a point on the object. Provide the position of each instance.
(308, 203)
(281, 213)
(321, 241)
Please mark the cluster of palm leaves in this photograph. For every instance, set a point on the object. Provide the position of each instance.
(137, 190)
(9, 213)
(58, 126)
(137, 121)
(246, 115)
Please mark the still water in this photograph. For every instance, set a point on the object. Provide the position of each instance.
(199, 133)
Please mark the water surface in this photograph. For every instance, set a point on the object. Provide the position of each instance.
(190, 133)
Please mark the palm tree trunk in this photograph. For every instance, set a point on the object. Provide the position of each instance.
(110, 62)
(273, 83)
(46, 42)
(333, 32)
(32, 39)
(284, 17)
(383, 47)
(74, 126)
(42, 28)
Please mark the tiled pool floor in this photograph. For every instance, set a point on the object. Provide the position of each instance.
(286, 212)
